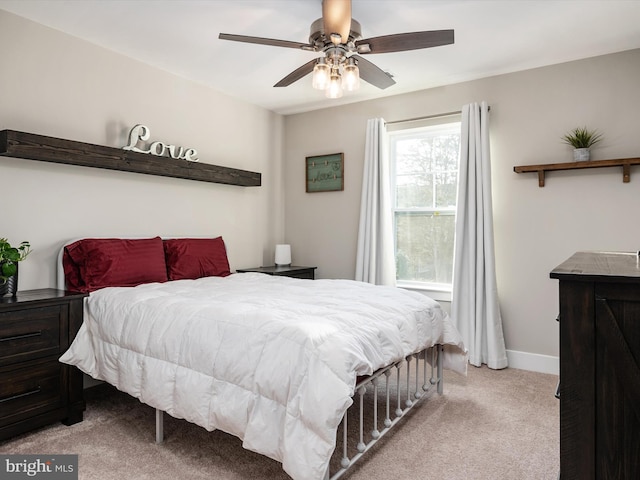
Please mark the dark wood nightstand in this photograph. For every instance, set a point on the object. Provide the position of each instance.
(287, 271)
(36, 328)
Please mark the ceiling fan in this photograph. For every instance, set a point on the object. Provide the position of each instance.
(338, 37)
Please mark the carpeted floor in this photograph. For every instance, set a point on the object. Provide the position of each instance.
(490, 425)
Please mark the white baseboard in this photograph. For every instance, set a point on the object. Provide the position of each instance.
(533, 362)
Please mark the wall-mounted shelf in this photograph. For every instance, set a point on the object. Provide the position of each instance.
(625, 163)
(57, 150)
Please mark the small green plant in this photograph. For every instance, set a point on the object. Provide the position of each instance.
(582, 138)
(10, 256)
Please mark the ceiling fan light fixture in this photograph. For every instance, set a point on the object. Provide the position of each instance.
(334, 90)
(321, 75)
(339, 38)
(351, 76)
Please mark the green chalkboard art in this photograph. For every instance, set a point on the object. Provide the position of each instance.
(325, 173)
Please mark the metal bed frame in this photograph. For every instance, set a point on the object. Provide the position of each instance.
(399, 391)
(401, 394)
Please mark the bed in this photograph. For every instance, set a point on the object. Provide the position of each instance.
(275, 361)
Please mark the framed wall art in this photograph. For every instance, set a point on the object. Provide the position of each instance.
(325, 173)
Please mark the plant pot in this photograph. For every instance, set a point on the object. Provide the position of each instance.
(581, 154)
(10, 286)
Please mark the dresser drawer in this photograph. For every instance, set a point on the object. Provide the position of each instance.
(28, 391)
(30, 334)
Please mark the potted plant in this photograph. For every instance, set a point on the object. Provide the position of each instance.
(9, 258)
(581, 139)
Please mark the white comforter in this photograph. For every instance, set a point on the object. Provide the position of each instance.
(272, 360)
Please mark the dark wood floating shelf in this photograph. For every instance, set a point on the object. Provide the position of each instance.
(625, 163)
(57, 150)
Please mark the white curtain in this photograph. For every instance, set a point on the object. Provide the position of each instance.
(375, 262)
(475, 306)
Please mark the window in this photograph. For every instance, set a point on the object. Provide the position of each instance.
(424, 172)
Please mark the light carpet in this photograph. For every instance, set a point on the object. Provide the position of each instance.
(490, 425)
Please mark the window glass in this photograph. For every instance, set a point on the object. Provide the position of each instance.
(424, 166)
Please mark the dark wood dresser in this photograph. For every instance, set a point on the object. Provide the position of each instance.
(36, 328)
(599, 366)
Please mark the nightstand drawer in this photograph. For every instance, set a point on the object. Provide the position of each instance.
(284, 271)
(30, 334)
(306, 274)
(29, 391)
(36, 327)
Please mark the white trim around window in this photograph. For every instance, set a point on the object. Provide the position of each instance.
(438, 293)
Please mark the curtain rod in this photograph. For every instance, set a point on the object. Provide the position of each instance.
(427, 117)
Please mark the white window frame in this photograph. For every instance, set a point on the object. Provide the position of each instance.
(437, 291)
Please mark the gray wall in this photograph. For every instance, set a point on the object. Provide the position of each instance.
(535, 228)
(54, 84)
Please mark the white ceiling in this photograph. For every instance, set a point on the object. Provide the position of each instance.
(491, 37)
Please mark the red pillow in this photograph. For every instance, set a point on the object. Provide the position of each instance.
(111, 262)
(72, 270)
(195, 258)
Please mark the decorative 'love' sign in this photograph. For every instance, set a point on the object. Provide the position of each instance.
(140, 132)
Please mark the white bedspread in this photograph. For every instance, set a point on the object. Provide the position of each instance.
(272, 360)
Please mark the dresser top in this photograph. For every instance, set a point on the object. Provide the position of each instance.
(603, 266)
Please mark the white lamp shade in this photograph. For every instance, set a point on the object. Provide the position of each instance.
(283, 254)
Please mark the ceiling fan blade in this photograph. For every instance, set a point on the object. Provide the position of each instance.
(405, 41)
(336, 16)
(265, 41)
(297, 74)
(373, 74)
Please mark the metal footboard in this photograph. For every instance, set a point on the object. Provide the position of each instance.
(404, 385)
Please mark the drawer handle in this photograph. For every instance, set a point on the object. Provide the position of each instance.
(20, 395)
(20, 337)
